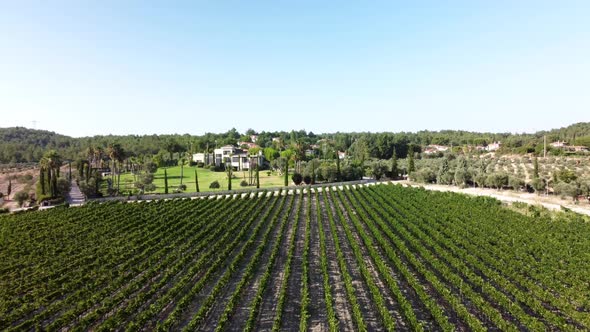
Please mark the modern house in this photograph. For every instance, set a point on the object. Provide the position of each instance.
(205, 158)
(239, 159)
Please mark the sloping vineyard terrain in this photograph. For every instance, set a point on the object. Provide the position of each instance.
(383, 257)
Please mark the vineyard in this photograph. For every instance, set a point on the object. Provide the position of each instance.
(381, 257)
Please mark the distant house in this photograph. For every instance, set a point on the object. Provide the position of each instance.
(253, 138)
(434, 148)
(239, 159)
(493, 146)
(276, 139)
(248, 145)
(578, 148)
(559, 144)
(341, 155)
(205, 158)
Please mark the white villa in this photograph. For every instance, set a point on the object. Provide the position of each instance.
(205, 158)
(239, 159)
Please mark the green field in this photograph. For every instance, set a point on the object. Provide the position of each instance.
(205, 178)
(377, 258)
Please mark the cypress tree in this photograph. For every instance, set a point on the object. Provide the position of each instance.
(536, 168)
(394, 170)
(312, 172)
(196, 180)
(165, 181)
(54, 185)
(286, 172)
(9, 187)
(229, 175)
(41, 180)
(87, 172)
(411, 166)
(337, 167)
(96, 181)
(257, 178)
(49, 182)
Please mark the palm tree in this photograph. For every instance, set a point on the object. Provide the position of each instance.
(116, 154)
(97, 158)
(90, 154)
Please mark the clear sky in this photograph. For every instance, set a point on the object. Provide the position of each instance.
(141, 67)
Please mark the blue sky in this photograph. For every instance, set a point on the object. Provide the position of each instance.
(141, 67)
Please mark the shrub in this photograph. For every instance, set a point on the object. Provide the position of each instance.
(214, 185)
(21, 197)
(307, 179)
(297, 178)
(244, 183)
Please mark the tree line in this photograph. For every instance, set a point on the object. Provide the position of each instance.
(20, 145)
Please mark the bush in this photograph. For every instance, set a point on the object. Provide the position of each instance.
(21, 197)
(182, 187)
(307, 179)
(297, 178)
(4, 210)
(214, 185)
(200, 164)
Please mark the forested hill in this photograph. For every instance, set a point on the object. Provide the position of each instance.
(18, 144)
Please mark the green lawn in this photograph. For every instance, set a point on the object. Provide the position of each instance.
(205, 178)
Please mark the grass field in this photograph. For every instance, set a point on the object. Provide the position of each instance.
(205, 178)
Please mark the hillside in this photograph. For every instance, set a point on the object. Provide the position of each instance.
(18, 144)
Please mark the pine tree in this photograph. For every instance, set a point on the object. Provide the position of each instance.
(394, 170)
(196, 180)
(165, 181)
